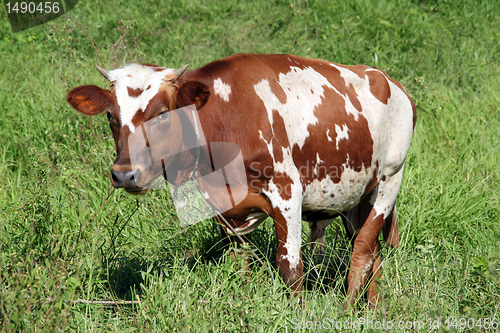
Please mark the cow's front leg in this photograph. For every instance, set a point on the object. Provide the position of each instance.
(289, 257)
(288, 224)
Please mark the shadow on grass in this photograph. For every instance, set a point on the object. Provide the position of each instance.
(326, 267)
(324, 270)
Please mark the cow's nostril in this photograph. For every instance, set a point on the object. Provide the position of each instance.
(114, 176)
(134, 174)
(125, 178)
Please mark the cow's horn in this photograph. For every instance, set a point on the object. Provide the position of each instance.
(103, 71)
(179, 71)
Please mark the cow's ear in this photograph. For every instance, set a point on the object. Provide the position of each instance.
(89, 100)
(192, 92)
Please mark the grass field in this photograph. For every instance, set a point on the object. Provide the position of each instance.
(58, 246)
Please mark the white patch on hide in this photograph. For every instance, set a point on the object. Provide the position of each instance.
(318, 159)
(326, 195)
(318, 162)
(222, 89)
(342, 133)
(304, 90)
(328, 135)
(136, 76)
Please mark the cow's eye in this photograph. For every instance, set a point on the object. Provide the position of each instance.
(110, 117)
(164, 113)
(163, 121)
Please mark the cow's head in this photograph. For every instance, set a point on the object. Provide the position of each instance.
(140, 108)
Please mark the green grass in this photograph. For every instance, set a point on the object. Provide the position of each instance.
(57, 246)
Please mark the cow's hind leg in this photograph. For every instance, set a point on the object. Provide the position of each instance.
(391, 229)
(317, 234)
(369, 217)
(353, 221)
(362, 228)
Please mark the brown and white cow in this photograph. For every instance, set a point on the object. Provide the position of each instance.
(318, 139)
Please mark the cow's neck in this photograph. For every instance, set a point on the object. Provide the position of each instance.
(187, 161)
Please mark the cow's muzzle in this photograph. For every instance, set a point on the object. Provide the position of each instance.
(128, 180)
